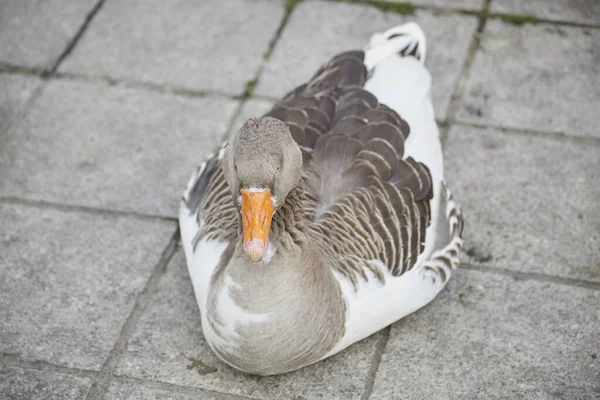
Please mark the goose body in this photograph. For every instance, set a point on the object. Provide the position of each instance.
(361, 229)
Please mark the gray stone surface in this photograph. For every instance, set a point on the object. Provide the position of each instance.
(28, 384)
(34, 33)
(582, 11)
(15, 90)
(493, 337)
(530, 201)
(138, 391)
(328, 28)
(68, 281)
(110, 147)
(206, 45)
(168, 346)
(253, 108)
(539, 77)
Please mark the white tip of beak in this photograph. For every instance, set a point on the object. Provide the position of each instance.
(255, 249)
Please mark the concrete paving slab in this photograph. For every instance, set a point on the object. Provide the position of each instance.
(15, 90)
(539, 77)
(253, 108)
(530, 201)
(69, 281)
(20, 384)
(34, 33)
(494, 337)
(137, 391)
(581, 11)
(111, 147)
(168, 346)
(202, 45)
(319, 30)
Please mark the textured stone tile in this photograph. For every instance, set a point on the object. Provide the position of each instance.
(530, 201)
(318, 30)
(251, 109)
(15, 90)
(168, 346)
(131, 391)
(206, 45)
(110, 147)
(21, 384)
(68, 281)
(494, 337)
(582, 11)
(34, 33)
(540, 77)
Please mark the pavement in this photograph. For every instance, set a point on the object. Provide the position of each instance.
(106, 106)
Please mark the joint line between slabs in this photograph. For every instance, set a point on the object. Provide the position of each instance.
(525, 131)
(463, 78)
(516, 19)
(290, 6)
(375, 363)
(83, 209)
(100, 386)
(14, 361)
(175, 388)
(143, 85)
(531, 276)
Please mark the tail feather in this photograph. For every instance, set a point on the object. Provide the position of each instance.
(407, 39)
(399, 79)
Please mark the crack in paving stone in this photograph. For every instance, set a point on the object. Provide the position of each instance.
(71, 45)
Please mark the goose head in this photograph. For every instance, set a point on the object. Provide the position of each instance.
(262, 164)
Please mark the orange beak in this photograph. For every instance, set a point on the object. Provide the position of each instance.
(257, 211)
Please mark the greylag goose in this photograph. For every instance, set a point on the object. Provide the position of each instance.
(327, 219)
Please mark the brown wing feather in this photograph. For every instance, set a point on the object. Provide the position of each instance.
(367, 201)
(210, 199)
(376, 222)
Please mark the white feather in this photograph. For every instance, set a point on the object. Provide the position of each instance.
(403, 84)
(373, 305)
(202, 261)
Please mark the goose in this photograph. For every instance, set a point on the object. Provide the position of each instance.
(326, 219)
